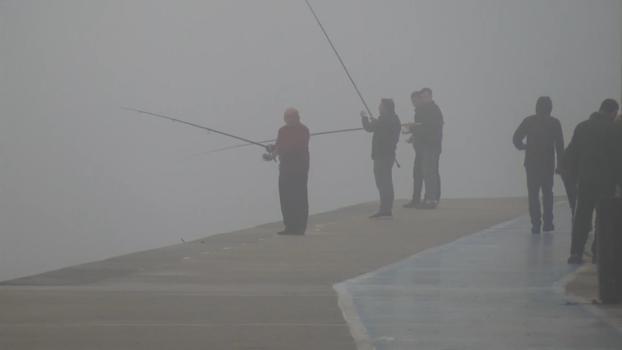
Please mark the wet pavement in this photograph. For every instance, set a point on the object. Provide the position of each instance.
(501, 288)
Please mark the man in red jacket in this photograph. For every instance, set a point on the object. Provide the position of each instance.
(292, 149)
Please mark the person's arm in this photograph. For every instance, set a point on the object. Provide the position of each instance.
(519, 136)
(396, 133)
(273, 149)
(559, 144)
(618, 154)
(368, 125)
(614, 152)
(436, 121)
(276, 150)
(570, 160)
(307, 137)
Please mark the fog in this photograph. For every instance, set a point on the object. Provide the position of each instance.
(82, 180)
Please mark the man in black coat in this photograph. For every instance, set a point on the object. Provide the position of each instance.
(544, 139)
(386, 134)
(592, 158)
(427, 138)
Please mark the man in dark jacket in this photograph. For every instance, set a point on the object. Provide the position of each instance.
(427, 137)
(544, 139)
(618, 155)
(386, 134)
(292, 148)
(592, 157)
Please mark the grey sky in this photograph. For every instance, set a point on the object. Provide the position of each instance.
(81, 179)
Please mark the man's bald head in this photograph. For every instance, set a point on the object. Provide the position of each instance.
(291, 116)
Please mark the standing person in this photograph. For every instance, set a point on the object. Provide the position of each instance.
(427, 136)
(545, 139)
(386, 134)
(592, 156)
(415, 202)
(292, 149)
(618, 155)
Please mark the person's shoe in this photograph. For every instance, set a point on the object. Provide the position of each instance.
(289, 233)
(412, 204)
(381, 215)
(575, 260)
(535, 230)
(429, 204)
(549, 228)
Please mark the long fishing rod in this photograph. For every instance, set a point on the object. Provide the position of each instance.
(266, 142)
(343, 65)
(162, 116)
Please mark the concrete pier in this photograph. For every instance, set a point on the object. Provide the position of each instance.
(253, 289)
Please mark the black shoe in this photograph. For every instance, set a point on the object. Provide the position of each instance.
(381, 215)
(549, 228)
(575, 260)
(290, 233)
(412, 204)
(535, 230)
(429, 204)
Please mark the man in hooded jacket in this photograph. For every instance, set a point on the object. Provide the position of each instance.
(544, 140)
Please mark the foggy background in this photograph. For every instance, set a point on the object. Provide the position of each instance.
(82, 180)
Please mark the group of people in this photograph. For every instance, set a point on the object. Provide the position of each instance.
(292, 149)
(426, 136)
(590, 167)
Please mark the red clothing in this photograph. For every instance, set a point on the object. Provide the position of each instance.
(292, 145)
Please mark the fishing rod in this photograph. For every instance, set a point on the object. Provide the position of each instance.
(162, 116)
(343, 65)
(266, 142)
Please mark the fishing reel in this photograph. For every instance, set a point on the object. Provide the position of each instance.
(270, 155)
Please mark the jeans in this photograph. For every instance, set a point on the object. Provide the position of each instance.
(426, 172)
(539, 180)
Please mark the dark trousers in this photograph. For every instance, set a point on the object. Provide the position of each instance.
(571, 192)
(587, 202)
(539, 180)
(294, 200)
(426, 172)
(383, 173)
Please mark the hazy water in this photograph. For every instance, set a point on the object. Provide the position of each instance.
(81, 179)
